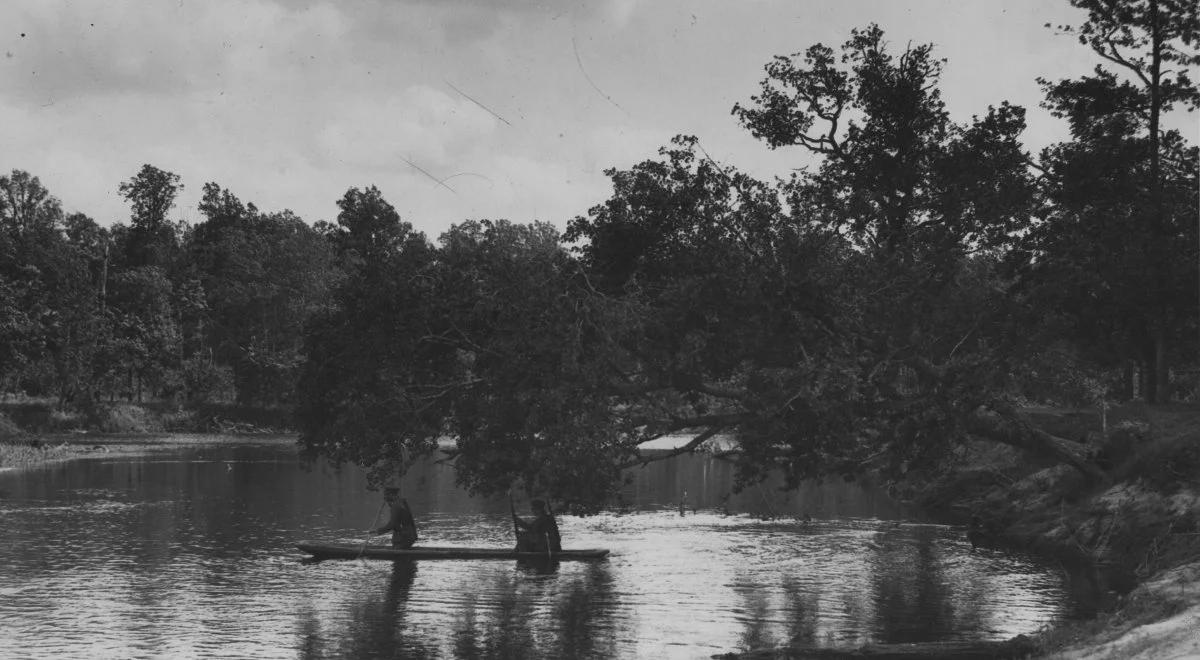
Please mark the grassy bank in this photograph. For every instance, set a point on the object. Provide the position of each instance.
(34, 433)
(43, 417)
(25, 455)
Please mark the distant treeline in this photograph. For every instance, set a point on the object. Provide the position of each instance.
(154, 308)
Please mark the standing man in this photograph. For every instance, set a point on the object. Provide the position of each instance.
(400, 520)
(539, 534)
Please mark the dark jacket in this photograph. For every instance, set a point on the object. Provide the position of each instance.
(538, 535)
(401, 525)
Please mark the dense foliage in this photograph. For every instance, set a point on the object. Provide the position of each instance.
(154, 309)
(912, 290)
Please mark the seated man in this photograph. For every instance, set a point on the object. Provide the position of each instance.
(540, 534)
(400, 520)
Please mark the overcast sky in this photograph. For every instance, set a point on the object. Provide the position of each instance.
(517, 106)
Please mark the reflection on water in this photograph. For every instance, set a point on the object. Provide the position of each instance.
(191, 553)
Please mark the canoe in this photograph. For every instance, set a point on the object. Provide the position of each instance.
(356, 551)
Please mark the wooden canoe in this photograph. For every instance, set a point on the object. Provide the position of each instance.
(386, 552)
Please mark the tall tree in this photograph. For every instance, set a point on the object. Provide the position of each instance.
(47, 277)
(1120, 220)
(352, 376)
(151, 194)
(928, 202)
(261, 276)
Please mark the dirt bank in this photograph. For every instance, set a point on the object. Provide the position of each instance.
(1135, 536)
(1160, 619)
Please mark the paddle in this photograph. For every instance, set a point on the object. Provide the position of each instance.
(513, 507)
(369, 530)
(546, 535)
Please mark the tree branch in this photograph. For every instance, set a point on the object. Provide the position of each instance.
(688, 448)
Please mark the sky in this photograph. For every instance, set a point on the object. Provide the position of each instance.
(454, 109)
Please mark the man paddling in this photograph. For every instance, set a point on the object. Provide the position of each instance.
(540, 534)
(400, 520)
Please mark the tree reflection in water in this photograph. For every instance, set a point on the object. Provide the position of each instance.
(533, 611)
(169, 554)
(541, 614)
(376, 625)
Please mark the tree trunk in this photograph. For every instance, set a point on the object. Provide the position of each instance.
(1162, 371)
(1005, 425)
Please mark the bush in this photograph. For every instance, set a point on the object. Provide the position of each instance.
(200, 380)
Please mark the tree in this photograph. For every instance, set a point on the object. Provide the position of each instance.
(1115, 248)
(145, 339)
(258, 278)
(928, 203)
(26, 207)
(897, 176)
(852, 318)
(349, 379)
(47, 293)
(152, 239)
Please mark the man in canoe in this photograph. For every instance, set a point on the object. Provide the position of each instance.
(539, 534)
(400, 520)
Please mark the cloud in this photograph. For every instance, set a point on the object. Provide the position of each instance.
(621, 147)
(622, 10)
(60, 51)
(421, 124)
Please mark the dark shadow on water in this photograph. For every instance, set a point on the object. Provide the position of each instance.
(520, 625)
(377, 627)
(538, 566)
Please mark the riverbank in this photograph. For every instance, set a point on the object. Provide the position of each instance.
(1131, 540)
(41, 417)
(57, 448)
(34, 433)
(1134, 537)
(1158, 619)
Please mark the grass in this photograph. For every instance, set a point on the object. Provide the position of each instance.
(25, 455)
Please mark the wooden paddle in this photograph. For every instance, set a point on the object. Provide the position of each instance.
(370, 530)
(513, 507)
(546, 535)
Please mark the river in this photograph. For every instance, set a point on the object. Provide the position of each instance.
(189, 552)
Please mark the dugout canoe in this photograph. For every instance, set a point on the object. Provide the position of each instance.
(356, 551)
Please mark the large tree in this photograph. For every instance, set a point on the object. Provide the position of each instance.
(929, 203)
(849, 319)
(50, 320)
(152, 239)
(1115, 251)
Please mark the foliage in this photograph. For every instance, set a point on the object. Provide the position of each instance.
(255, 278)
(1115, 249)
(869, 313)
(152, 238)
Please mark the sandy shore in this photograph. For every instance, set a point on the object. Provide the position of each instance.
(1172, 632)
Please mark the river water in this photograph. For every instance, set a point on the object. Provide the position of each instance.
(189, 552)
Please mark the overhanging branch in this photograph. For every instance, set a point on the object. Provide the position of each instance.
(688, 448)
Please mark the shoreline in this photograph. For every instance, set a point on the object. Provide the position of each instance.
(58, 448)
